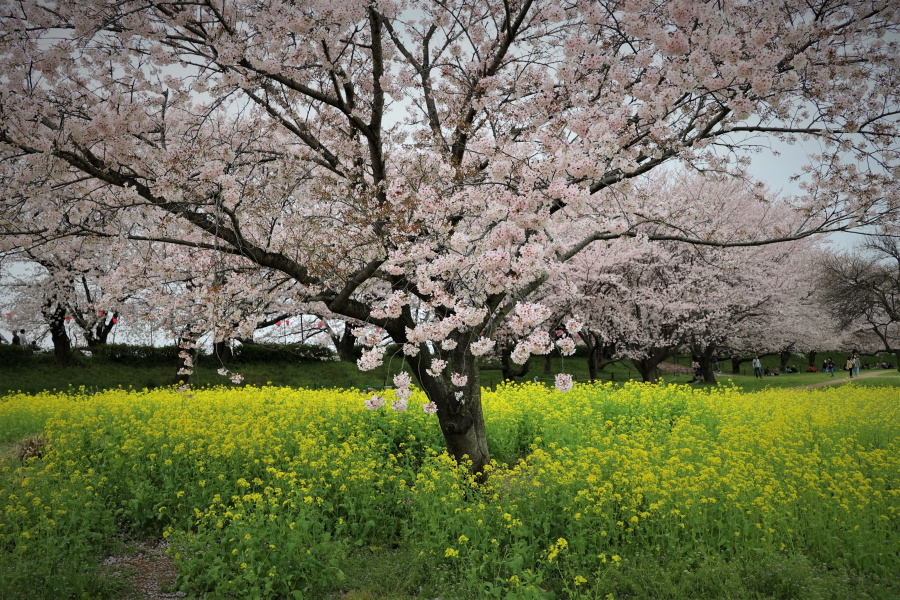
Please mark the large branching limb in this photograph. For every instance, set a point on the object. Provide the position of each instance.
(342, 300)
(376, 150)
(500, 305)
(328, 159)
(88, 163)
(423, 69)
(460, 136)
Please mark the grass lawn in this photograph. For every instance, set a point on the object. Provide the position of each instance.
(39, 373)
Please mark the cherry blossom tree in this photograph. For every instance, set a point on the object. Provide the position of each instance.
(452, 154)
(57, 282)
(644, 301)
(861, 291)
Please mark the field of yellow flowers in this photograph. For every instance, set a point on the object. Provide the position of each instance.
(639, 491)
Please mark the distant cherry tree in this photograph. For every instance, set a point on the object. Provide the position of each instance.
(860, 290)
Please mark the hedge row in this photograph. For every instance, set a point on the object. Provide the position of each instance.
(245, 353)
(11, 356)
(257, 353)
(133, 355)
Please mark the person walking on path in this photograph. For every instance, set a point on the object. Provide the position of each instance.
(829, 366)
(849, 365)
(757, 367)
(856, 364)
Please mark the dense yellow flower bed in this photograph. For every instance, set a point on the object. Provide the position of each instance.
(266, 491)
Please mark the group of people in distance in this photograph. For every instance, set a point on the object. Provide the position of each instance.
(759, 372)
(852, 365)
(18, 338)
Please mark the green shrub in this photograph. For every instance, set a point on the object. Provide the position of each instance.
(133, 355)
(11, 356)
(261, 353)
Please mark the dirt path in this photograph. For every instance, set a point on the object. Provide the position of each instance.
(841, 378)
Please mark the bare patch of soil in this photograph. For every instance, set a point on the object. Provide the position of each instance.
(148, 570)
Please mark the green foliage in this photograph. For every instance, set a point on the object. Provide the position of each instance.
(14, 356)
(293, 353)
(137, 355)
(39, 373)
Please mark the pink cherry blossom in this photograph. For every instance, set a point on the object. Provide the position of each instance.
(437, 366)
(481, 346)
(371, 358)
(563, 382)
(566, 346)
(374, 402)
(459, 380)
(402, 380)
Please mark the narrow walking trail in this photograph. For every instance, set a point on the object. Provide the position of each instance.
(842, 378)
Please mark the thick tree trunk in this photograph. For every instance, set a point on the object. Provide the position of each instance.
(649, 367)
(510, 369)
(62, 345)
(736, 362)
(709, 376)
(703, 355)
(705, 360)
(811, 358)
(345, 345)
(600, 353)
(459, 408)
(222, 351)
(55, 316)
(783, 357)
(97, 335)
(548, 363)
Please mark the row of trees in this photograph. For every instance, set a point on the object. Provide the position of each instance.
(429, 169)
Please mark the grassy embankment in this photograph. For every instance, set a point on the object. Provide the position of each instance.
(39, 373)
